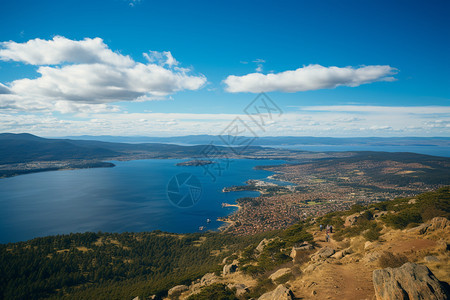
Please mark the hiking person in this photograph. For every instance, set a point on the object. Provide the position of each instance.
(321, 227)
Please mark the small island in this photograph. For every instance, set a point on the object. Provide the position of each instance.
(196, 163)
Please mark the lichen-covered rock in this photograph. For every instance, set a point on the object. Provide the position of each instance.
(280, 293)
(410, 281)
(280, 273)
(323, 253)
(177, 290)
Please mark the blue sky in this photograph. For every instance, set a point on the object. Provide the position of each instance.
(335, 68)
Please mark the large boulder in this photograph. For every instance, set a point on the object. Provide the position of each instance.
(177, 290)
(280, 273)
(410, 281)
(231, 268)
(323, 253)
(298, 251)
(280, 293)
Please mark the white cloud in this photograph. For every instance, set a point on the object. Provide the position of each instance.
(88, 73)
(60, 50)
(311, 77)
(377, 121)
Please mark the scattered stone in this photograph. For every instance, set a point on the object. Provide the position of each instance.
(280, 293)
(208, 278)
(410, 281)
(323, 253)
(177, 290)
(280, 273)
(313, 293)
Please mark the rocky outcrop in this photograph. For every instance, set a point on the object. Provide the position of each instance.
(240, 288)
(436, 223)
(208, 278)
(410, 281)
(280, 293)
(280, 273)
(323, 253)
(351, 220)
(177, 290)
(262, 245)
(297, 252)
(342, 253)
(231, 268)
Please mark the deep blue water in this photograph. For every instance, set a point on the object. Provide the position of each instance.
(129, 197)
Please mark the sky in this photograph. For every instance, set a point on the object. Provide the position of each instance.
(169, 68)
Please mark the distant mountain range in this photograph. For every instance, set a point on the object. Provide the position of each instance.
(277, 140)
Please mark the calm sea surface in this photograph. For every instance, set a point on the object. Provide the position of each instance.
(129, 197)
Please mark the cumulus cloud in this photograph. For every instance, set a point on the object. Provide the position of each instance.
(60, 50)
(4, 89)
(87, 73)
(311, 77)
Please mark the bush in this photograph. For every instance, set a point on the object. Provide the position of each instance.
(402, 219)
(390, 260)
(373, 234)
(214, 291)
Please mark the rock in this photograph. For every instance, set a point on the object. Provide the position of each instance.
(296, 252)
(240, 288)
(435, 224)
(262, 245)
(431, 258)
(351, 220)
(323, 253)
(347, 251)
(410, 281)
(280, 293)
(280, 273)
(439, 223)
(136, 298)
(231, 268)
(412, 201)
(310, 268)
(338, 255)
(421, 229)
(208, 278)
(177, 290)
(371, 256)
(442, 245)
